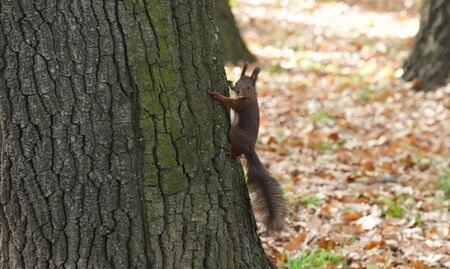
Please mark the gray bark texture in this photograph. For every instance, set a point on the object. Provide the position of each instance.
(235, 49)
(112, 153)
(429, 61)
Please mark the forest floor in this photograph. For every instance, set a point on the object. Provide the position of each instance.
(363, 157)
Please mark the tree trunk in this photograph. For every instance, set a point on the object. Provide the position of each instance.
(112, 154)
(234, 47)
(429, 61)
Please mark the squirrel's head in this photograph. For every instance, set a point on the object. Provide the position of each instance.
(245, 86)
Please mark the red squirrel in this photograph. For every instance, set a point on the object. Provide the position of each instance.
(266, 192)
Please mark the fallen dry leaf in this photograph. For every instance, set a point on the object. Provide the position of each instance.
(350, 216)
(373, 244)
(295, 242)
(326, 244)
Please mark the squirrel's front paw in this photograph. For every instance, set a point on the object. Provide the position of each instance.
(214, 94)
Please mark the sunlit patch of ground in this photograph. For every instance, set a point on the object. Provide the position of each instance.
(360, 154)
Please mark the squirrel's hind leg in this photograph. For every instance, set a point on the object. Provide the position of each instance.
(231, 154)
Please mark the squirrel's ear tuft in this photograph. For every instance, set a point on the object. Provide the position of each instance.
(244, 68)
(255, 74)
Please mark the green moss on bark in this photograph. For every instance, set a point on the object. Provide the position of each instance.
(173, 181)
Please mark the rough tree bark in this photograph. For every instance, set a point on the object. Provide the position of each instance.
(112, 154)
(429, 61)
(235, 49)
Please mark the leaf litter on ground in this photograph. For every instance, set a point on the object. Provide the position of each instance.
(363, 158)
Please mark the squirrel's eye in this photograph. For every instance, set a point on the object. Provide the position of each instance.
(248, 88)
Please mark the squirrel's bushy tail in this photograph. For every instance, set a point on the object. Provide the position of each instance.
(266, 194)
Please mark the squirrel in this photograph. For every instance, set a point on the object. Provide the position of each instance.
(266, 192)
